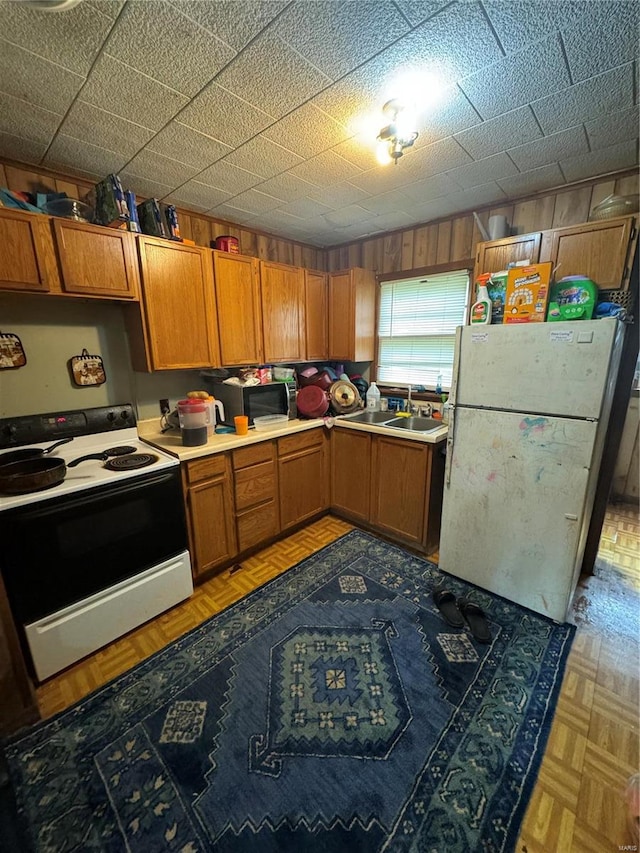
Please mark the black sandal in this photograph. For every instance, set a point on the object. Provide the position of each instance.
(476, 620)
(446, 603)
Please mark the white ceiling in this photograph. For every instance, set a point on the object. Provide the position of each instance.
(251, 111)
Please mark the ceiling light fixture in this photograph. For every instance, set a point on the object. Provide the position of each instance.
(398, 134)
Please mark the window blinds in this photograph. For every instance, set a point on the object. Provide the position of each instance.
(417, 326)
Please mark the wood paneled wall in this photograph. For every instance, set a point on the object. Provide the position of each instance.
(454, 239)
(440, 242)
(194, 226)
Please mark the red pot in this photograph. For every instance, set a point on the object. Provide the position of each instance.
(226, 243)
(312, 402)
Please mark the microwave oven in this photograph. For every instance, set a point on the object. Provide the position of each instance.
(274, 398)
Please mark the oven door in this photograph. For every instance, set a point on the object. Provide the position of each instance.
(57, 552)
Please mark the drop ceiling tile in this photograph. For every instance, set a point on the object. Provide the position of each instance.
(254, 201)
(624, 155)
(19, 148)
(305, 208)
(195, 194)
(519, 78)
(121, 90)
(67, 151)
(417, 11)
(483, 171)
(307, 131)
(22, 74)
(227, 177)
(348, 215)
(391, 221)
(436, 208)
(338, 37)
(611, 129)
(21, 118)
(595, 96)
(91, 124)
(229, 213)
(185, 144)
(532, 181)
(339, 195)
(550, 149)
(143, 187)
(498, 134)
(71, 39)
(517, 24)
(450, 115)
(168, 46)
(359, 150)
(441, 156)
(110, 8)
(609, 29)
(387, 202)
(475, 197)
(221, 114)
(326, 169)
(234, 21)
(272, 76)
(264, 157)
(155, 167)
(286, 187)
(384, 179)
(430, 188)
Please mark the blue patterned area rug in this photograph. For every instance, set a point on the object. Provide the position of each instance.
(330, 711)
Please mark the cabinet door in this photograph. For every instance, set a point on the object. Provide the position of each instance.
(212, 538)
(97, 261)
(18, 705)
(496, 254)
(351, 472)
(237, 288)
(341, 316)
(597, 249)
(316, 315)
(179, 306)
(282, 311)
(400, 473)
(302, 476)
(27, 259)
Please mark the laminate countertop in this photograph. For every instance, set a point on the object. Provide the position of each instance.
(171, 442)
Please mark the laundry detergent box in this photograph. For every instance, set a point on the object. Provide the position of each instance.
(527, 294)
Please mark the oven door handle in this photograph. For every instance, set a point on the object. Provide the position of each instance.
(88, 496)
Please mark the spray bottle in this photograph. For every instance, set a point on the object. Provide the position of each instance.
(481, 308)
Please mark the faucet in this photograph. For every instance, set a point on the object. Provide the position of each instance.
(408, 403)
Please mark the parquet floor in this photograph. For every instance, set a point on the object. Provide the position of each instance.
(578, 803)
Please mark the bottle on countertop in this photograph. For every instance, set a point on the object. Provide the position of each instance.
(373, 398)
(481, 308)
(439, 384)
(445, 408)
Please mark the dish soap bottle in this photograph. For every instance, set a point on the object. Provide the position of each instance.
(481, 308)
(373, 398)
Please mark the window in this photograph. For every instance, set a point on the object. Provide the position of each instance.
(417, 328)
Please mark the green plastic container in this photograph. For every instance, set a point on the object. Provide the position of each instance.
(572, 298)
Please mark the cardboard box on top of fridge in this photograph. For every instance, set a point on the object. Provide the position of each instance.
(527, 294)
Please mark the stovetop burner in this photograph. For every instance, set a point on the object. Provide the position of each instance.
(120, 450)
(128, 463)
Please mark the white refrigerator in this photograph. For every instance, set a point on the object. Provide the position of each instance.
(530, 405)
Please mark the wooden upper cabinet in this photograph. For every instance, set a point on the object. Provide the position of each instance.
(598, 250)
(237, 288)
(352, 311)
(494, 255)
(97, 261)
(27, 258)
(282, 311)
(179, 315)
(316, 315)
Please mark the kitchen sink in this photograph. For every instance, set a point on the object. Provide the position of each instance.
(387, 419)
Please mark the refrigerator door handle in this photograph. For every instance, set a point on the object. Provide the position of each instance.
(449, 459)
(456, 362)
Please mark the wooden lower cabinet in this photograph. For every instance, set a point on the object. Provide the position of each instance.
(255, 483)
(351, 473)
(303, 476)
(18, 706)
(209, 498)
(388, 484)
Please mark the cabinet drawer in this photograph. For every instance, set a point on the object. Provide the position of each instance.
(206, 468)
(255, 485)
(257, 525)
(262, 452)
(301, 441)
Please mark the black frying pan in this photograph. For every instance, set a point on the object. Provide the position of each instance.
(31, 475)
(29, 453)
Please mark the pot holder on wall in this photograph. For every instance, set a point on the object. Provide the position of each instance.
(87, 369)
(12, 353)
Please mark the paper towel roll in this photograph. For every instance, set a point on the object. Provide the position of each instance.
(498, 227)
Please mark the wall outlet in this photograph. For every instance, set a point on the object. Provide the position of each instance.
(165, 408)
